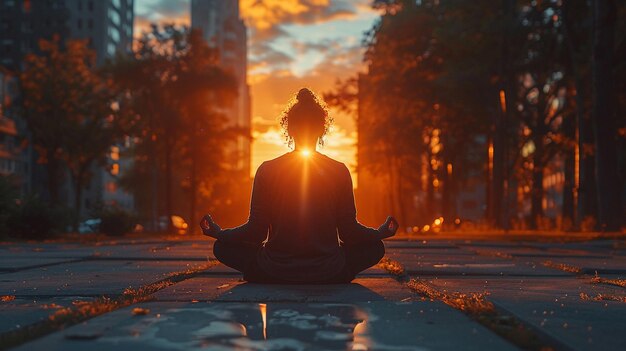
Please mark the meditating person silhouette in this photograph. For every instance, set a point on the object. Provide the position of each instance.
(302, 227)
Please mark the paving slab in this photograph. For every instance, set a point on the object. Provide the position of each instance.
(21, 311)
(413, 326)
(205, 288)
(527, 288)
(92, 278)
(582, 325)
(12, 264)
(609, 265)
(420, 244)
(469, 265)
(534, 252)
(200, 288)
(553, 306)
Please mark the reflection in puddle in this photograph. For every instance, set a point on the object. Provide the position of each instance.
(254, 326)
(263, 309)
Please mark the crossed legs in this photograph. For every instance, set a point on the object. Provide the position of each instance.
(243, 257)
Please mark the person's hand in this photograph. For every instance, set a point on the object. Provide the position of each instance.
(389, 228)
(209, 227)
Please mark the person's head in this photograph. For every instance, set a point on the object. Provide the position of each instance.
(306, 121)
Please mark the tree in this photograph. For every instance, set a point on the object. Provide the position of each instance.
(69, 111)
(605, 121)
(201, 89)
(178, 94)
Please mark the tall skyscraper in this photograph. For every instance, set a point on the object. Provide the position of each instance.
(108, 27)
(107, 24)
(223, 29)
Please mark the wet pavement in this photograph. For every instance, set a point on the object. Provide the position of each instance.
(172, 295)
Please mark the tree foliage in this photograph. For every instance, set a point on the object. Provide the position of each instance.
(70, 110)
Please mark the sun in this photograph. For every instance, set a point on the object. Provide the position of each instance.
(306, 153)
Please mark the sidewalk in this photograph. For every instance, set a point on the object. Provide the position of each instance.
(435, 294)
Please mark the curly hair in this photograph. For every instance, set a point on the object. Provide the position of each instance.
(305, 109)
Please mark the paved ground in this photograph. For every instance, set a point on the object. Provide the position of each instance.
(436, 294)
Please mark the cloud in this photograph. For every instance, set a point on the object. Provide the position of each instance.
(266, 17)
(160, 12)
(292, 44)
(263, 57)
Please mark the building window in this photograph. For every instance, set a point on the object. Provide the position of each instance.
(80, 5)
(79, 24)
(114, 34)
(90, 6)
(111, 49)
(90, 23)
(114, 17)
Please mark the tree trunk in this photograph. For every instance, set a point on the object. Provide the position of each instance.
(430, 193)
(52, 169)
(583, 207)
(401, 204)
(78, 192)
(569, 188)
(193, 194)
(391, 188)
(168, 186)
(536, 195)
(489, 183)
(155, 190)
(499, 191)
(604, 116)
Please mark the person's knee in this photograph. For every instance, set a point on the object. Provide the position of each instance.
(378, 250)
(218, 250)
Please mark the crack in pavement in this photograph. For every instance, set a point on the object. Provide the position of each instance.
(480, 309)
(66, 317)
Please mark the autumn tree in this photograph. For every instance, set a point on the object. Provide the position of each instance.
(201, 91)
(69, 108)
(178, 95)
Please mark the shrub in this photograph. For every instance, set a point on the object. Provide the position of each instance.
(34, 219)
(8, 204)
(116, 221)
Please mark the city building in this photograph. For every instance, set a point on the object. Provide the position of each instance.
(107, 25)
(223, 29)
(14, 153)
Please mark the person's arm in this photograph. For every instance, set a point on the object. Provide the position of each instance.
(350, 230)
(255, 229)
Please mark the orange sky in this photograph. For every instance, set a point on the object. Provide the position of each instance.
(292, 44)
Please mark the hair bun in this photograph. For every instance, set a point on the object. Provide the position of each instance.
(305, 95)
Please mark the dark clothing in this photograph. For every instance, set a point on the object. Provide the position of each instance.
(301, 207)
(244, 258)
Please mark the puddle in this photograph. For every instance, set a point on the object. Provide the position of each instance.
(256, 326)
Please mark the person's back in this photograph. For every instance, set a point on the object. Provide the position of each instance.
(302, 225)
(305, 194)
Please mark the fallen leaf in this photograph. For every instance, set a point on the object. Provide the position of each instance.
(7, 298)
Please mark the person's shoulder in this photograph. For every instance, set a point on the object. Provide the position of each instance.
(276, 160)
(338, 165)
(269, 164)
